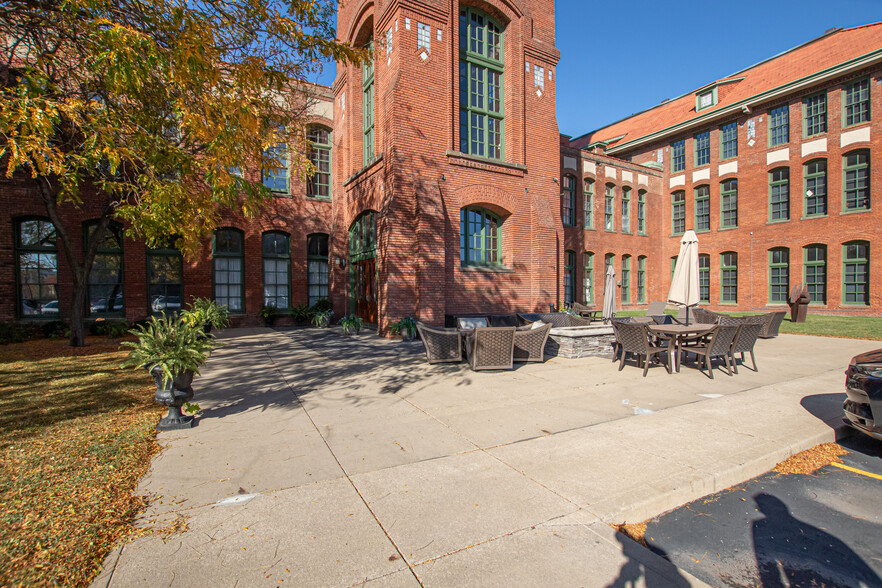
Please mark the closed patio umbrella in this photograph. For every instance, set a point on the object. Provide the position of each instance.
(609, 293)
(684, 285)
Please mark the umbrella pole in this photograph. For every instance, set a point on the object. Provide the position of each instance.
(687, 316)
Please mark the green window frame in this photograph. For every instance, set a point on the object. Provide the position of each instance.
(779, 125)
(678, 212)
(779, 194)
(729, 204)
(702, 149)
(568, 201)
(702, 208)
(228, 269)
(480, 237)
(678, 156)
(729, 141)
(779, 275)
(317, 267)
(626, 209)
(36, 256)
(626, 279)
(814, 111)
(815, 181)
(609, 208)
(856, 102)
(856, 180)
(729, 277)
(165, 279)
(673, 266)
(363, 237)
(588, 277)
(588, 192)
(815, 272)
(856, 273)
(319, 185)
(704, 278)
(481, 85)
(277, 178)
(367, 107)
(569, 277)
(641, 279)
(105, 286)
(276, 252)
(641, 212)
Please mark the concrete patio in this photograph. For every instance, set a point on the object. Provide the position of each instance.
(324, 460)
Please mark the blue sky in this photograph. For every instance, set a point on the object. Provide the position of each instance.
(622, 57)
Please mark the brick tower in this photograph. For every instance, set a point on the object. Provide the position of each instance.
(446, 195)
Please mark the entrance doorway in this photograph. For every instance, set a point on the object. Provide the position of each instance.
(363, 266)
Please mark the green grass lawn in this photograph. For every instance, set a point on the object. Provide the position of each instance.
(76, 435)
(849, 327)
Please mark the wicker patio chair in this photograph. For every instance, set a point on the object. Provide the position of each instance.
(730, 320)
(442, 345)
(586, 311)
(635, 338)
(702, 315)
(471, 322)
(718, 345)
(529, 343)
(616, 344)
(656, 308)
(773, 322)
(744, 342)
(491, 348)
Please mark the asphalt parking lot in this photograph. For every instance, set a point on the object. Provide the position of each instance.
(823, 529)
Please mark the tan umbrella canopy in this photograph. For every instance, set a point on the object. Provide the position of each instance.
(684, 285)
(609, 293)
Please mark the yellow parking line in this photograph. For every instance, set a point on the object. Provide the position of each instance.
(857, 471)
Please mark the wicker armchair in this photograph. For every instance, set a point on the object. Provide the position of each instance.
(635, 338)
(529, 343)
(616, 344)
(703, 315)
(772, 323)
(491, 348)
(744, 342)
(719, 344)
(442, 345)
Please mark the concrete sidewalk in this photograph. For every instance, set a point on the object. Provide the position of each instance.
(324, 460)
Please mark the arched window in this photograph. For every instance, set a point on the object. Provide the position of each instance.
(641, 279)
(815, 265)
(165, 279)
(319, 185)
(36, 251)
(367, 105)
(729, 204)
(276, 248)
(317, 267)
(856, 176)
(481, 69)
(815, 174)
(856, 273)
(106, 278)
(568, 201)
(626, 209)
(641, 212)
(678, 212)
(702, 208)
(569, 277)
(228, 262)
(779, 274)
(479, 237)
(704, 278)
(729, 277)
(588, 192)
(626, 279)
(276, 178)
(588, 277)
(609, 204)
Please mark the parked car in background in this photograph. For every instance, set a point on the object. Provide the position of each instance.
(49, 307)
(102, 305)
(166, 304)
(863, 384)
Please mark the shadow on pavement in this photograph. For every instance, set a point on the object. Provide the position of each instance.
(635, 568)
(825, 407)
(790, 552)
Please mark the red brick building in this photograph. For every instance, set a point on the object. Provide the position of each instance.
(776, 168)
(446, 188)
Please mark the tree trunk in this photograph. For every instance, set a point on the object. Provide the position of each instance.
(78, 309)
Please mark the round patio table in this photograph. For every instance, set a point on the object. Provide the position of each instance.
(679, 332)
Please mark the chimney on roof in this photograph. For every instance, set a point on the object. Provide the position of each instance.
(831, 30)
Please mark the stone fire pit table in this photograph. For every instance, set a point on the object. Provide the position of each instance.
(585, 341)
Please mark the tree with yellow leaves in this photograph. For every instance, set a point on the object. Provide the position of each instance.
(155, 106)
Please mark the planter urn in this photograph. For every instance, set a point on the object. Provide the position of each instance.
(173, 394)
